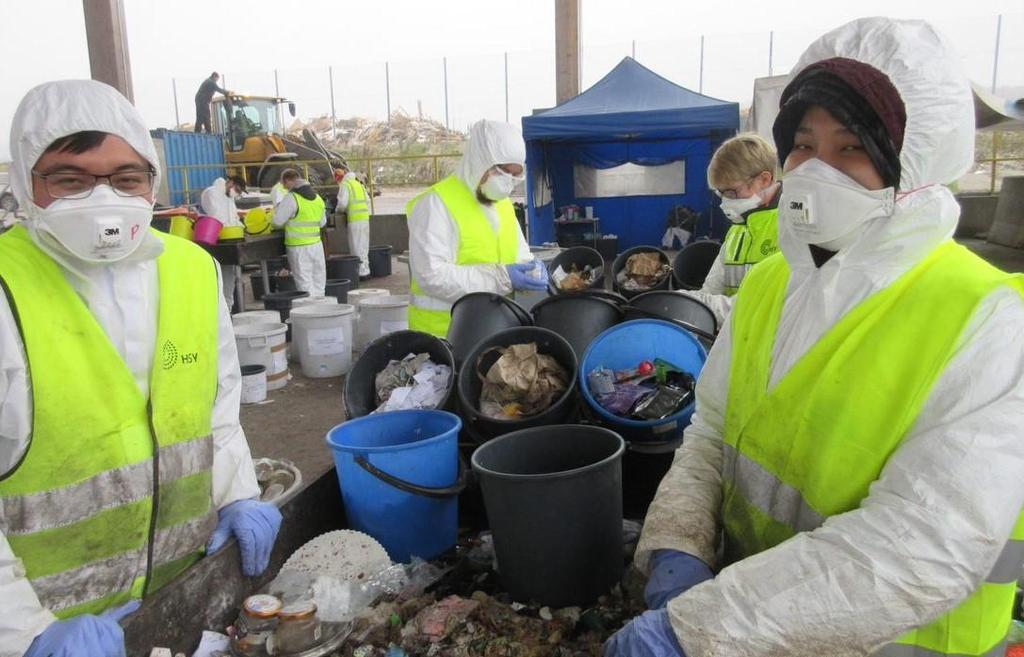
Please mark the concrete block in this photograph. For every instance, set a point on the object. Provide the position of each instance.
(1008, 227)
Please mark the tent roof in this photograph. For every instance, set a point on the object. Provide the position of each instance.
(632, 101)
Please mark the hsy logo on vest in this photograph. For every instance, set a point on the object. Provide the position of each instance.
(169, 356)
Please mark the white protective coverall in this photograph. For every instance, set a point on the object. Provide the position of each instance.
(434, 235)
(307, 263)
(217, 204)
(934, 523)
(124, 298)
(358, 231)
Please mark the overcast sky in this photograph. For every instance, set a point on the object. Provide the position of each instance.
(246, 41)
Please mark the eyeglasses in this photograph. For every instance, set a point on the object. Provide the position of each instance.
(733, 192)
(73, 185)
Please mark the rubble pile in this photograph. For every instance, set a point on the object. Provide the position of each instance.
(403, 129)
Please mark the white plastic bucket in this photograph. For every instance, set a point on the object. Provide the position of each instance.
(322, 335)
(293, 350)
(256, 317)
(382, 315)
(264, 344)
(355, 297)
(254, 384)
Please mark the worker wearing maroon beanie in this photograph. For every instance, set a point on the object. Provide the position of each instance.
(851, 483)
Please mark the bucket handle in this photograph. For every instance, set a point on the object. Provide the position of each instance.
(252, 341)
(416, 489)
(686, 325)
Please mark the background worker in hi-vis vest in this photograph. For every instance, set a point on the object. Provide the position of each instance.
(302, 213)
(851, 483)
(355, 203)
(463, 232)
(121, 453)
(742, 173)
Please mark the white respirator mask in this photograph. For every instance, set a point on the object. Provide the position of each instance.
(499, 185)
(102, 227)
(735, 208)
(825, 207)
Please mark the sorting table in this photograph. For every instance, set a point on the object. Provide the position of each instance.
(253, 249)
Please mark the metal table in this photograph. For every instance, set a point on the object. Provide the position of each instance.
(253, 249)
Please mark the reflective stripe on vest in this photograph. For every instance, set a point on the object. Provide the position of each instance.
(358, 208)
(747, 244)
(478, 245)
(810, 447)
(304, 227)
(80, 510)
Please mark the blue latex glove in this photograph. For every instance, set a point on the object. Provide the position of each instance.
(648, 635)
(528, 276)
(255, 525)
(84, 636)
(672, 573)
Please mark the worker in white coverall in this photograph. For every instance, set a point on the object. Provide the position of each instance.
(302, 213)
(463, 232)
(133, 372)
(742, 174)
(851, 483)
(218, 201)
(355, 203)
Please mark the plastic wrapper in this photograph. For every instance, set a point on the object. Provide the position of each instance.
(623, 398)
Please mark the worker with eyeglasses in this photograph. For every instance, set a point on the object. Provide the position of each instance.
(122, 459)
(742, 174)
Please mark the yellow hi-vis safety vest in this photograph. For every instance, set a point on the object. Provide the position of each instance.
(747, 244)
(113, 497)
(304, 227)
(478, 245)
(358, 207)
(810, 447)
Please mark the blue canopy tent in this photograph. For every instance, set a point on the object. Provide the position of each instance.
(631, 116)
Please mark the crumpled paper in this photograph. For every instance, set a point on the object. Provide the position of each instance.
(521, 382)
(643, 271)
(412, 383)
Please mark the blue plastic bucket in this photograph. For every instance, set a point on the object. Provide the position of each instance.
(627, 345)
(400, 479)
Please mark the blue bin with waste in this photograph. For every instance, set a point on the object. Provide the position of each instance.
(400, 478)
(624, 347)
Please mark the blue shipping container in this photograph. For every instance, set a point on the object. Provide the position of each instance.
(192, 161)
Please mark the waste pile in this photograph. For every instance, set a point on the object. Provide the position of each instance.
(402, 129)
(643, 271)
(521, 383)
(414, 382)
(451, 607)
(575, 279)
(651, 391)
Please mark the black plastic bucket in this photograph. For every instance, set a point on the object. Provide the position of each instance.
(693, 263)
(360, 384)
(620, 264)
(343, 266)
(277, 263)
(380, 261)
(580, 256)
(282, 301)
(479, 315)
(644, 465)
(608, 295)
(282, 283)
(579, 318)
(338, 288)
(482, 428)
(257, 286)
(554, 502)
(678, 308)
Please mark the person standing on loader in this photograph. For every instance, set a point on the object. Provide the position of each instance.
(204, 96)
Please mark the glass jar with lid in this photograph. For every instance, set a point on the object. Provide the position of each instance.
(255, 625)
(298, 628)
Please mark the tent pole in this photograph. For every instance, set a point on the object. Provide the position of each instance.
(771, 51)
(700, 86)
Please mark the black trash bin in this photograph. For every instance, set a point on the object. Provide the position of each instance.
(360, 383)
(678, 308)
(579, 257)
(282, 301)
(554, 501)
(579, 318)
(620, 264)
(338, 287)
(344, 266)
(693, 263)
(479, 315)
(479, 361)
(380, 261)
